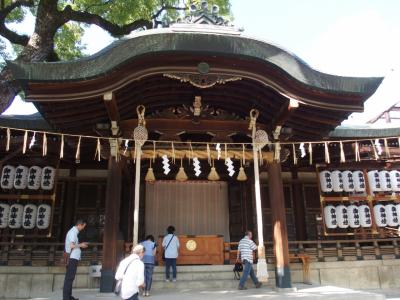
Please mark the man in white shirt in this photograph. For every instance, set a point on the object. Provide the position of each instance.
(131, 271)
(73, 251)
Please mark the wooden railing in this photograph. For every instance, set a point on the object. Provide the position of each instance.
(51, 254)
(44, 254)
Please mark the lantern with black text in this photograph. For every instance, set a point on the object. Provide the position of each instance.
(384, 179)
(4, 213)
(374, 182)
(21, 178)
(391, 215)
(359, 181)
(15, 216)
(43, 216)
(325, 178)
(7, 177)
(395, 180)
(380, 215)
(34, 177)
(365, 216)
(354, 216)
(330, 216)
(337, 181)
(29, 216)
(48, 176)
(342, 216)
(348, 181)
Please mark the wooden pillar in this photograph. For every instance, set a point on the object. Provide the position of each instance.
(111, 225)
(69, 205)
(279, 228)
(298, 208)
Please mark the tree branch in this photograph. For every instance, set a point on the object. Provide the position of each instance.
(167, 7)
(115, 30)
(10, 35)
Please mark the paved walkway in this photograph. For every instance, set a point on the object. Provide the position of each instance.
(303, 293)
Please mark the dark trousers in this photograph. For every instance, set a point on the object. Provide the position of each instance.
(170, 263)
(69, 278)
(247, 270)
(134, 297)
(148, 276)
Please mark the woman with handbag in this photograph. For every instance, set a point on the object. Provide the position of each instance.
(148, 260)
(171, 248)
(130, 275)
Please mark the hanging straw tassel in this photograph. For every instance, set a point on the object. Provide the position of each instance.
(173, 153)
(310, 152)
(154, 152)
(62, 147)
(213, 175)
(242, 174)
(25, 141)
(342, 156)
(226, 152)
(78, 150)
(373, 147)
(98, 150)
(44, 144)
(9, 139)
(150, 174)
(243, 155)
(327, 157)
(181, 176)
(386, 148)
(357, 152)
(294, 155)
(208, 154)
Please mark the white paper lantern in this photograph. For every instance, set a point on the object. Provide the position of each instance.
(365, 216)
(342, 216)
(395, 180)
(15, 216)
(29, 216)
(398, 209)
(359, 181)
(48, 175)
(384, 179)
(4, 213)
(7, 177)
(348, 181)
(21, 178)
(374, 182)
(34, 177)
(325, 178)
(337, 181)
(354, 216)
(380, 215)
(330, 217)
(391, 215)
(43, 216)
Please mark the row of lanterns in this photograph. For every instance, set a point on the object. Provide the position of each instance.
(354, 216)
(22, 177)
(182, 176)
(17, 216)
(354, 181)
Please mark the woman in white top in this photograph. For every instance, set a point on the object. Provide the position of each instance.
(171, 248)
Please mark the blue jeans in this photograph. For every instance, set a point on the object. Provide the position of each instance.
(134, 297)
(170, 262)
(148, 276)
(247, 270)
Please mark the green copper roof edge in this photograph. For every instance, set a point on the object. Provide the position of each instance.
(126, 50)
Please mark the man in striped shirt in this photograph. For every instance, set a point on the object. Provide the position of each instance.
(245, 252)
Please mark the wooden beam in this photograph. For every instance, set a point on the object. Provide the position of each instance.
(284, 113)
(111, 106)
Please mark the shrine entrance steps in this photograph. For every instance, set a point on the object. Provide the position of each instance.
(202, 277)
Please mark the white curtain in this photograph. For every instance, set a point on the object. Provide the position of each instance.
(192, 207)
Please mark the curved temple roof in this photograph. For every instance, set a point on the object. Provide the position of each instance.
(159, 41)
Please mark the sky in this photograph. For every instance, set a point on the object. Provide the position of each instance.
(341, 37)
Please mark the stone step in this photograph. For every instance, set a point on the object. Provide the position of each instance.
(204, 284)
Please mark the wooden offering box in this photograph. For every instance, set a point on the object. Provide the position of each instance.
(197, 250)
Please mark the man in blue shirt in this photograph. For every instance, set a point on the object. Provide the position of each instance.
(73, 250)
